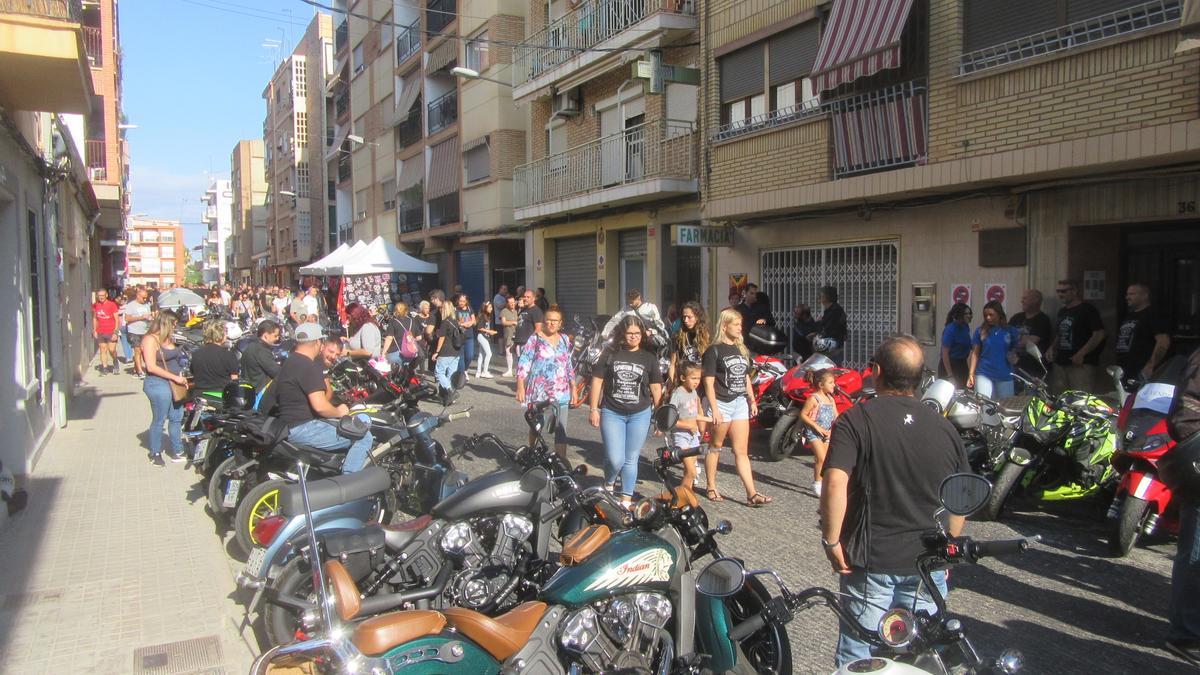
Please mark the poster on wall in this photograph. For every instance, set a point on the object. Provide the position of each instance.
(1093, 285)
(960, 293)
(738, 283)
(372, 290)
(996, 292)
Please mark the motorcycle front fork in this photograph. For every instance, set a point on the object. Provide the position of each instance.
(1114, 512)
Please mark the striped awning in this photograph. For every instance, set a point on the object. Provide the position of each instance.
(445, 169)
(412, 171)
(442, 56)
(861, 38)
(408, 96)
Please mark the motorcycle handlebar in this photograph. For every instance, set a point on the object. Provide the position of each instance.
(985, 549)
(748, 627)
(458, 416)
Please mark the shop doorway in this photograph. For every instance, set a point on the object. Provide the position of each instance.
(1168, 260)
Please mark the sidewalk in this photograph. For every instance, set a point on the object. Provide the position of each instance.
(115, 566)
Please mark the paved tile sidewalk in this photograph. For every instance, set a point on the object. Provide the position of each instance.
(115, 567)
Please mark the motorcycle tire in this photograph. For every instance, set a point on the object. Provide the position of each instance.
(216, 488)
(785, 439)
(282, 624)
(767, 651)
(260, 502)
(1128, 528)
(1010, 474)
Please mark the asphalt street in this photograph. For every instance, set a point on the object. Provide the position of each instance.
(1066, 604)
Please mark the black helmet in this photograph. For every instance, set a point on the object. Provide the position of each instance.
(238, 396)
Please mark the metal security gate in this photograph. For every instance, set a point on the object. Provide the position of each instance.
(469, 264)
(631, 251)
(866, 276)
(575, 276)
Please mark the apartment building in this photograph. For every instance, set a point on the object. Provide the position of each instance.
(105, 149)
(295, 124)
(157, 258)
(613, 149)
(218, 217)
(914, 153)
(248, 183)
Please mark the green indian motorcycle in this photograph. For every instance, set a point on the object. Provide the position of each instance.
(1061, 452)
(624, 598)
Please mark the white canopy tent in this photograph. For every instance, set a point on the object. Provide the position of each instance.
(380, 257)
(327, 266)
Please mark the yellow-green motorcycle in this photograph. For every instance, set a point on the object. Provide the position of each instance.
(1060, 453)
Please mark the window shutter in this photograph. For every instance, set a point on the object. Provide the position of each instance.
(1078, 10)
(742, 73)
(987, 23)
(478, 163)
(793, 52)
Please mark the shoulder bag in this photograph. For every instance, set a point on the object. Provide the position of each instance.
(179, 392)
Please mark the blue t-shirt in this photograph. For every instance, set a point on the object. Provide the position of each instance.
(957, 337)
(993, 352)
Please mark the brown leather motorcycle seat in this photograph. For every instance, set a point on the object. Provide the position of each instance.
(379, 634)
(502, 636)
(346, 600)
(584, 543)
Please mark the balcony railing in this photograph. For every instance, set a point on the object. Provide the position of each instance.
(408, 131)
(341, 36)
(410, 217)
(341, 104)
(585, 27)
(775, 118)
(882, 129)
(439, 14)
(443, 111)
(344, 172)
(443, 210)
(67, 10)
(97, 160)
(658, 149)
(408, 42)
(93, 44)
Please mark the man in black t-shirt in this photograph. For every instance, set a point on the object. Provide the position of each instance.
(303, 401)
(895, 452)
(1143, 338)
(529, 321)
(1078, 339)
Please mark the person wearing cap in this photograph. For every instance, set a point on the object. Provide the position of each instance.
(304, 405)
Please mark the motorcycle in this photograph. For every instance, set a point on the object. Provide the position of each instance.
(905, 641)
(986, 427)
(1143, 504)
(587, 343)
(1062, 450)
(787, 436)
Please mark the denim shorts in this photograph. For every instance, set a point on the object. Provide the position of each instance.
(732, 411)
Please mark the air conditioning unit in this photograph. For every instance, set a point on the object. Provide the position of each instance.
(567, 104)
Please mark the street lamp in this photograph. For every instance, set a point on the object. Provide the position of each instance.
(470, 74)
(289, 193)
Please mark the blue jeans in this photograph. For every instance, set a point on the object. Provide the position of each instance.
(163, 409)
(444, 368)
(994, 389)
(468, 349)
(323, 435)
(623, 437)
(885, 590)
(1184, 613)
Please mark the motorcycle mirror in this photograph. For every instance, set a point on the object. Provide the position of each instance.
(534, 480)
(721, 578)
(458, 380)
(964, 493)
(665, 418)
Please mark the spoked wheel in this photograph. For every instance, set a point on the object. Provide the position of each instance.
(262, 501)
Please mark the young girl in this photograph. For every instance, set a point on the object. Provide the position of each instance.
(818, 415)
(686, 400)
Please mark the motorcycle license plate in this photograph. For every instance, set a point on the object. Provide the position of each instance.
(231, 493)
(255, 562)
(200, 451)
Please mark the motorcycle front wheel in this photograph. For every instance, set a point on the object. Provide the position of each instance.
(1010, 474)
(769, 650)
(1128, 527)
(786, 438)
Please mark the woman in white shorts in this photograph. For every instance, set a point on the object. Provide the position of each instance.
(727, 384)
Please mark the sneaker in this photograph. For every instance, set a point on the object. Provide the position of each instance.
(507, 373)
(1188, 650)
(140, 376)
(816, 488)
(177, 458)
(157, 460)
(487, 376)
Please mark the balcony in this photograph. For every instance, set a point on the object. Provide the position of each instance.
(443, 210)
(97, 160)
(443, 111)
(558, 52)
(408, 131)
(341, 105)
(439, 14)
(643, 163)
(408, 42)
(410, 217)
(42, 65)
(341, 36)
(880, 130)
(343, 169)
(93, 44)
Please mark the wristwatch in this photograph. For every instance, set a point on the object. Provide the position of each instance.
(830, 544)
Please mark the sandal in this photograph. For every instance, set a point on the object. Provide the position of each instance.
(713, 496)
(758, 500)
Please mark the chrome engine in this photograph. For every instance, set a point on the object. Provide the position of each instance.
(488, 574)
(626, 631)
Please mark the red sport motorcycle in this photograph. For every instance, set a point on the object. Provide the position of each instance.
(787, 434)
(1143, 504)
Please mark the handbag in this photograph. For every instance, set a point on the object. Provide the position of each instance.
(408, 345)
(179, 392)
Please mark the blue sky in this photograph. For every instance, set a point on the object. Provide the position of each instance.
(194, 71)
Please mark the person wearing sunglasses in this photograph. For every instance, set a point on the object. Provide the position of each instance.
(1078, 340)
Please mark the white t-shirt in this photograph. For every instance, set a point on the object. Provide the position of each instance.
(280, 304)
(137, 317)
(311, 305)
(226, 298)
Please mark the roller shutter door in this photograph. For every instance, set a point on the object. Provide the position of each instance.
(470, 275)
(575, 275)
(632, 244)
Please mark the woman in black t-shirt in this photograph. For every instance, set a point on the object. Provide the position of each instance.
(692, 340)
(727, 384)
(447, 354)
(629, 381)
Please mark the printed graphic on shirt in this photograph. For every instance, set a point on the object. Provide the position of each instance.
(627, 382)
(1064, 333)
(735, 372)
(1125, 335)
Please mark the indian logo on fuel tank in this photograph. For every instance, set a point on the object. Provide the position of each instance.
(645, 567)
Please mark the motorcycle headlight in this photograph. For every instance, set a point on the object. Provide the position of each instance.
(456, 538)
(1153, 442)
(897, 628)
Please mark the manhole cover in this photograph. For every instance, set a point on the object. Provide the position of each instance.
(19, 600)
(187, 656)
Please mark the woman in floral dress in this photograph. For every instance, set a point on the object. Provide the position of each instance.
(545, 373)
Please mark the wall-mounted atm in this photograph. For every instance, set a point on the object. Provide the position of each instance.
(924, 313)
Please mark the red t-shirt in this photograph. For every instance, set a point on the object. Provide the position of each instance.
(106, 316)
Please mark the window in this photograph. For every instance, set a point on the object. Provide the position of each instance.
(149, 251)
(301, 129)
(303, 227)
(150, 235)
(300, 77)
(151, 266)
(794, 97)
(558, 139)
(167, 251)
(168, 266)
(388, 190)
(755, 96)
(359, 126)
(478, 162)
(359, 64)
(167, 236)
(360, 203)
(36, 279)
(476, 57)
(302, 180)
(135, 236)
(167, 281)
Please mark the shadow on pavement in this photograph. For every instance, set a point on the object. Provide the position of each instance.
(86, 402)
(20, 541)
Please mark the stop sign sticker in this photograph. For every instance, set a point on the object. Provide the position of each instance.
(996, 293)
(961, 293)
